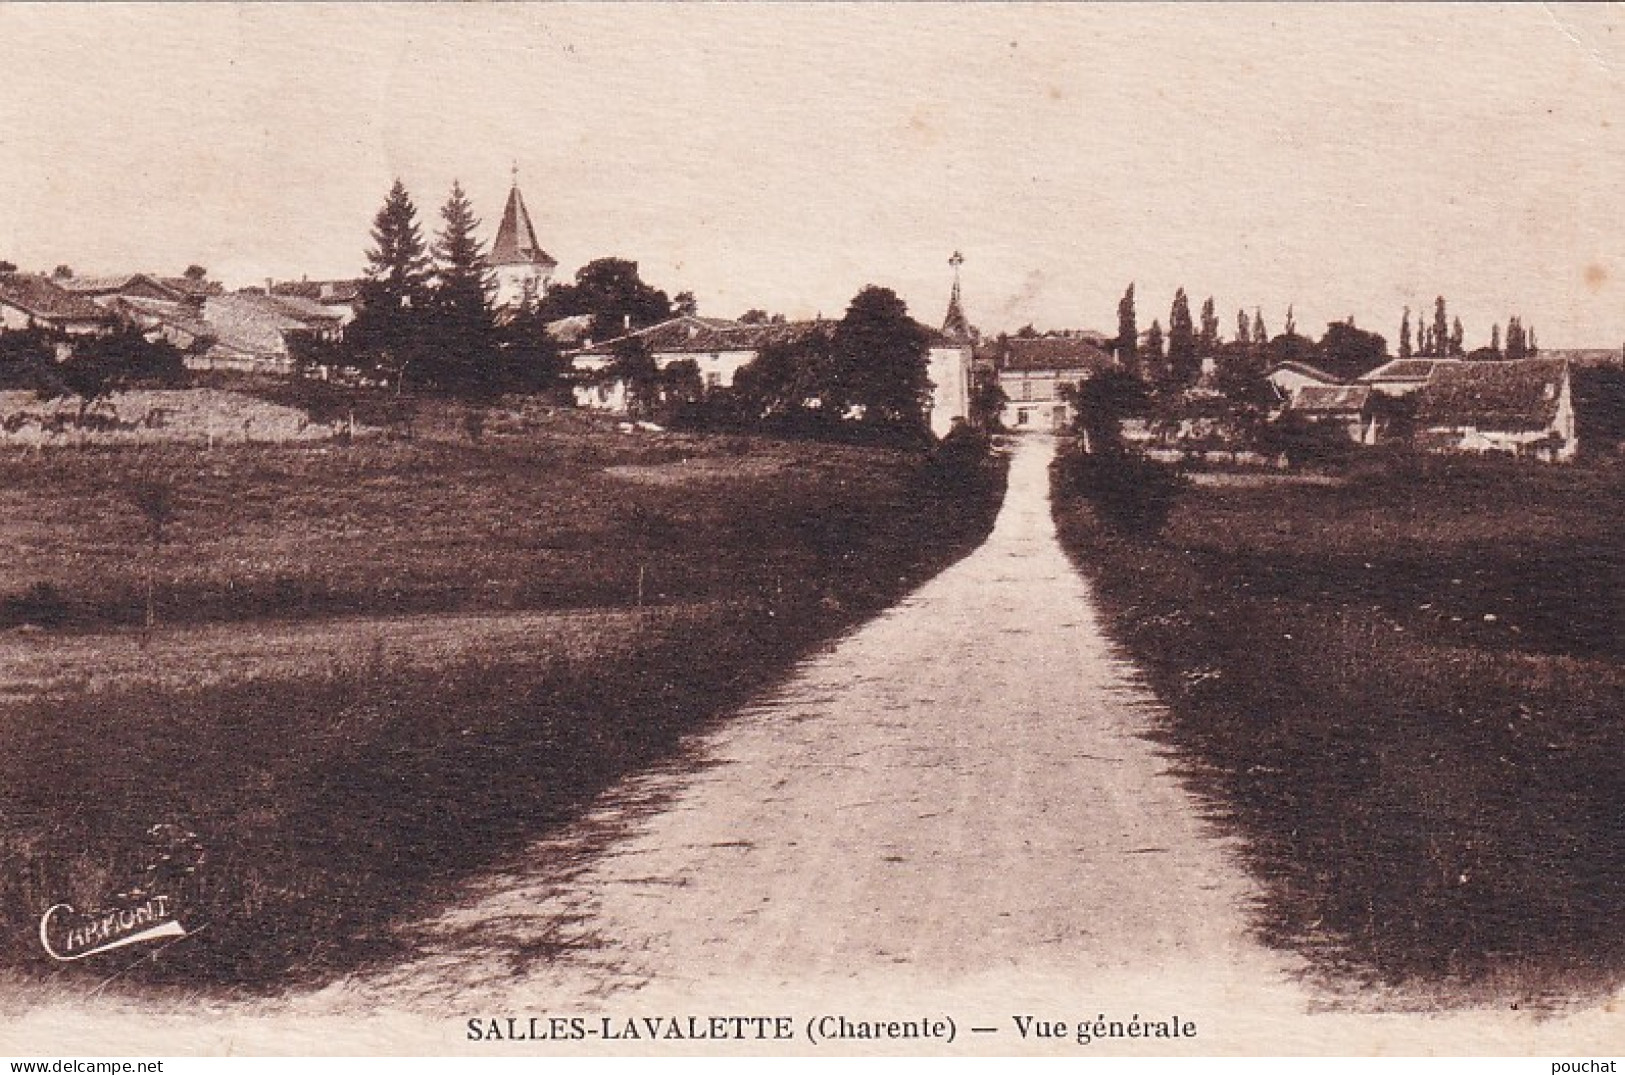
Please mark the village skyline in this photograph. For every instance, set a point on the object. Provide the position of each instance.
(729, 154)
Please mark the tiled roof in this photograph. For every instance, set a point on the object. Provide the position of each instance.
(703, 335)
(1332, 399)
(323, 291)
(249, 323)
(1052, 353)
(516, 240)
(1409, 369)
(112, 285)
(196, 289)
(1493, 395)
(42, 298)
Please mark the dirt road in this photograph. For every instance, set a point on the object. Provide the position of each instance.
(955, 802)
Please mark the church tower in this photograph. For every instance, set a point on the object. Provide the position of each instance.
(522, 267)
(955, 325)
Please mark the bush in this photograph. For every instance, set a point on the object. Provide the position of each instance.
(1130, 493)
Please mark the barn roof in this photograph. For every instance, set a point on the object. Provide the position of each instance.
(1504, 396)
(1312, 372)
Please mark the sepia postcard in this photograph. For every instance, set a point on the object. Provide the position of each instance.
(812, 530)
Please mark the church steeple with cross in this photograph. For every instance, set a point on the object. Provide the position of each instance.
(955, 325)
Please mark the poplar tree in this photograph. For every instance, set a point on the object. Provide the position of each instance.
(1441, 329)
(1261, 336)
(1456, 339)
(1128, 334)
(1405, 334)
(1182, 361)
(1244, 335)
(1210, 327)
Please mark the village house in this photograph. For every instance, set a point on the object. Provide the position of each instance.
(1522, 408)
(1038, 373)
(30, 301)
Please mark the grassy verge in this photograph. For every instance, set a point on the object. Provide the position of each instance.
(347, 773)
(1407, 692)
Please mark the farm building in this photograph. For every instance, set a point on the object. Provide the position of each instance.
(1522, 408)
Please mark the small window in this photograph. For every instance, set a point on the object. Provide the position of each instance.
(1021, 416)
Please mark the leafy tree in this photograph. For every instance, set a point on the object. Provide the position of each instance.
(1128, 334)
(685, 303)
(62, 272)
(1103, 402)
(1347, 352)
(196, 272)
(612, 292)
(880, 359)
(7, 268)
(395, 290)
(753, 316)
(1240, 376)
(987, 400)
(1405, 334)
(633, 365)
(1183, 362)
(787, 382)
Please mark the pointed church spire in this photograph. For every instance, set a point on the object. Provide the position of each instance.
(516, 239)
(955, 325)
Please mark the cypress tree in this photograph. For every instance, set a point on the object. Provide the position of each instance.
(1405, 334)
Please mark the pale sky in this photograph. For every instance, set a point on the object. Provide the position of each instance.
(1348, 159)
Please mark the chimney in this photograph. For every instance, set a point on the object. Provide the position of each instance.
(626, 322)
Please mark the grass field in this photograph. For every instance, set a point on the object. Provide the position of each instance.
(1407, 692)
(380, 666)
